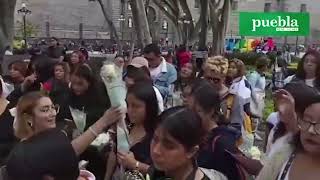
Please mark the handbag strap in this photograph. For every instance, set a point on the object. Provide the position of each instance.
(214, 143)
(287, 167)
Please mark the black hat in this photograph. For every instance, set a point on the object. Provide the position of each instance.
(47, 153)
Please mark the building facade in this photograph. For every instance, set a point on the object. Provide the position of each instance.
(73, 19)
(66, 18)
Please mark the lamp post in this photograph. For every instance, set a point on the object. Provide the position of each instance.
(121, 19)
(184, 20)
(24, 11)
(165, 28)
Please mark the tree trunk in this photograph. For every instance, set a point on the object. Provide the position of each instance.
(190, 27)
(181, 34)
(173, 12)
(219, 27)
(7, 8)
(141, 23)
(111, 25)
(224, 24)
(204, 24)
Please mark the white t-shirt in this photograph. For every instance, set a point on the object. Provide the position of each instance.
(159, 99)
(6, 88)
(155, 71)
(288, 79)
(239, 88)
(273, 118)
(309, 82)
(8, 53)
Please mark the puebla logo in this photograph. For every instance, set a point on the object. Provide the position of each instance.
(282, 24)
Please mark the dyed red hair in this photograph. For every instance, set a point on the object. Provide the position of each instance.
(80, 55)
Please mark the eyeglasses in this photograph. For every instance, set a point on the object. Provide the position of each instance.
(213, 79)
(305, 126)
(47, 109)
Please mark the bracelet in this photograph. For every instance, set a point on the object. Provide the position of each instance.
(93, 132)
(137, 165)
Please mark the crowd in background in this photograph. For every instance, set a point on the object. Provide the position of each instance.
(186, 121)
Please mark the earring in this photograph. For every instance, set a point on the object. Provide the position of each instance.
(30, 123)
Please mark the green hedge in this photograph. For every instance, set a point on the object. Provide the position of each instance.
(249, 58)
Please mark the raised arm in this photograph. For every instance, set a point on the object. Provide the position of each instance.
(81, 143)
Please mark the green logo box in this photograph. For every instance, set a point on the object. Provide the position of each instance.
(274, 24)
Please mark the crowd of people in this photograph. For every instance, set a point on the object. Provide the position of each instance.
(184, 123)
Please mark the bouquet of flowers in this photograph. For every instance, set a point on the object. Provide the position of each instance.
(117, 91)
(255, 153)
(79, 117)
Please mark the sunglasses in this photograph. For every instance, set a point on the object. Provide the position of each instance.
(213, 79)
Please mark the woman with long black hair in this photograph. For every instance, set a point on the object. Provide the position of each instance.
(299, 159)
(308, 70)
(87, 102)
(142, 119)
(142, 114)
(175, 146)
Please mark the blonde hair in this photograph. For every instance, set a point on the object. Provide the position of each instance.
(241, 67)
(66, 69)
(217, 64)
(25, 108)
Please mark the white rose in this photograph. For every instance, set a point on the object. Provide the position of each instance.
(108, 72)
(255, 153)
(101, 140)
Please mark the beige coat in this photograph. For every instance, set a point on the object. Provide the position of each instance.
(275, 162)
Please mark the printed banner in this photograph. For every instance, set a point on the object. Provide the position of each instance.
(274, 24)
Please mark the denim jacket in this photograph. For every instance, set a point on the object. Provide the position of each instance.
(166, 78)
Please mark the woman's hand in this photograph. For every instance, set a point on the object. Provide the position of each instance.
(28, 81)
(110, 117)
(284, 100)
(285, 105)
(127, 160)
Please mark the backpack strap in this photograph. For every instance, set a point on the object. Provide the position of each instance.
(230, 101)
(214, 143)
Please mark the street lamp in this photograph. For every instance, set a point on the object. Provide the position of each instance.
(24, 11)
(121, 19)
(184, 20)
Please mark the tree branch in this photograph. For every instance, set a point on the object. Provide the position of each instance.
(171, 5)
(219, 2)
(109, 21)
(147, 5)
(186, 9)
(172, 17)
